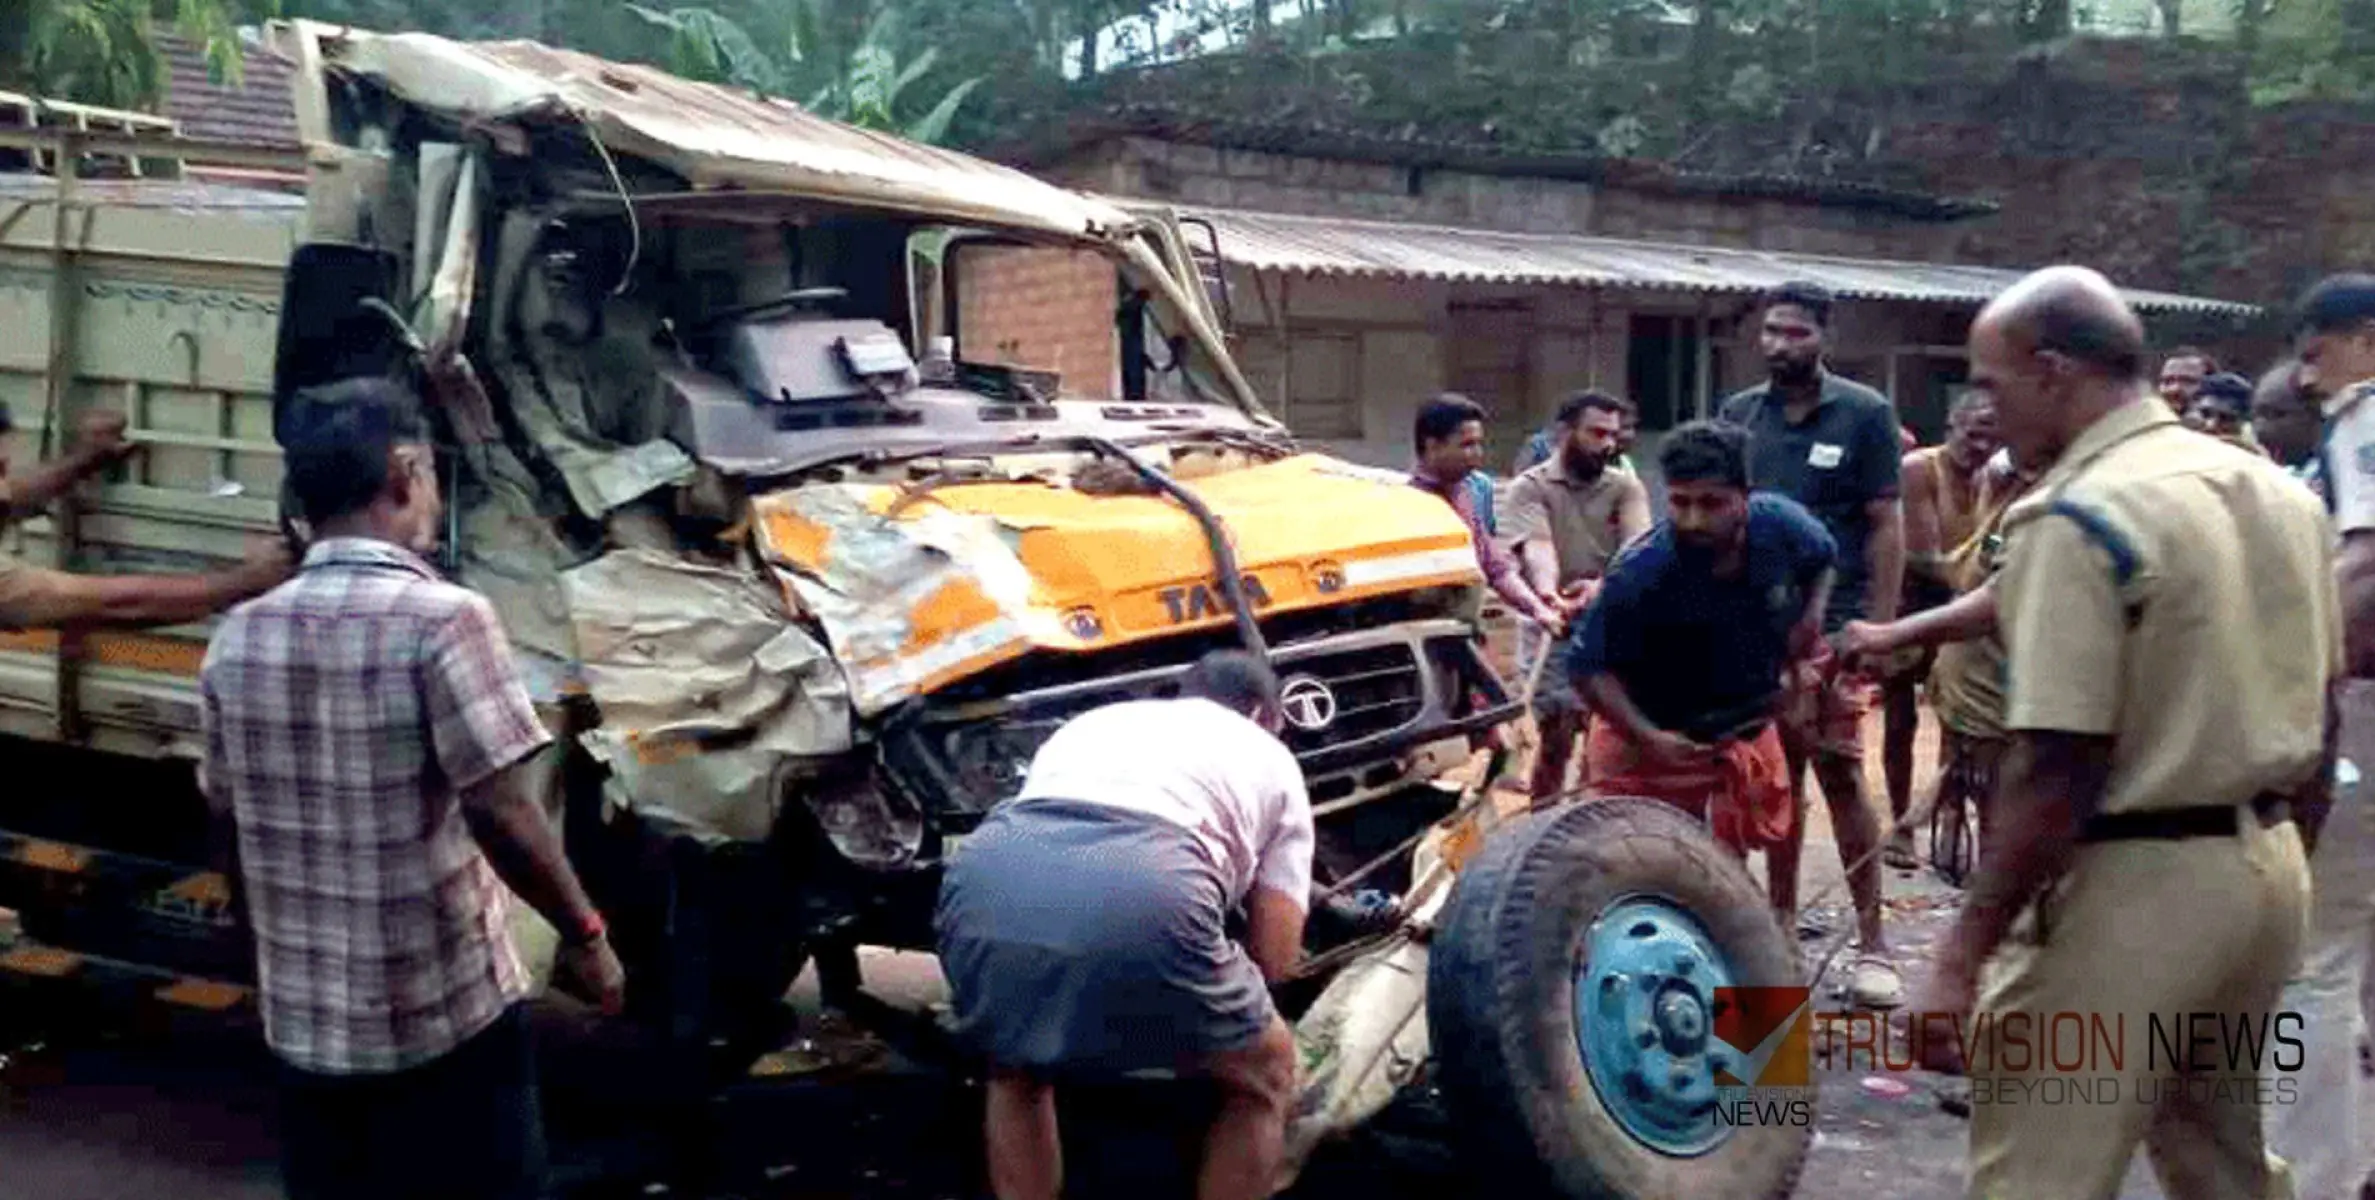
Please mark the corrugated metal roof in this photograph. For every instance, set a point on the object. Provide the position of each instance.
(1324, 246)
(715, 137)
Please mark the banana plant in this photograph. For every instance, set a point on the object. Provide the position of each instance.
(863, 87)
(105, 51)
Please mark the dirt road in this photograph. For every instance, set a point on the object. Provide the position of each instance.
(104, 1116)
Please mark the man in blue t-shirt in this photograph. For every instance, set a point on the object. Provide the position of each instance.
(1683, 652)
(1832, 445)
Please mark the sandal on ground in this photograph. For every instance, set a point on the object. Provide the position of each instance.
(1899, 852)
(1875, 982)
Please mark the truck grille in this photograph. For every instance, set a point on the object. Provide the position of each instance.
(1353, 702)
(1362, 692)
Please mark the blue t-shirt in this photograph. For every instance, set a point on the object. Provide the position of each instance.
(1842, 458)
(1702, 656)
(1480, 487)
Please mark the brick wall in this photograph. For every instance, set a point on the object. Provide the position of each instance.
(1044, 308)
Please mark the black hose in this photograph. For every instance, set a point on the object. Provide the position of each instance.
(1216, 538)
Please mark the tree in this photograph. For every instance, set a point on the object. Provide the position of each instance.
(105, 51)
(862, 85)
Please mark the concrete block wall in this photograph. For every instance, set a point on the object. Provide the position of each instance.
(1221, 177)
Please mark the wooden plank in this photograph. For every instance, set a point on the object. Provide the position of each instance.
(58, 391)
(209, 151)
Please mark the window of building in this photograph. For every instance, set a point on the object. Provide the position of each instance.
(1662, 369)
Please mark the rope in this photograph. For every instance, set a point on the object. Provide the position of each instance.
(1916, 814)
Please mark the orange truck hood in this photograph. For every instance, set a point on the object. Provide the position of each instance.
(963, 577)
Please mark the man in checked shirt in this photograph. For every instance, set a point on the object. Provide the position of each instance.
(364, 725)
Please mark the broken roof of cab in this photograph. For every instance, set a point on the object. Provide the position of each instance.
(716, 138)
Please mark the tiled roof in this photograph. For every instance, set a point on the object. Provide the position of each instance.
(257, 111)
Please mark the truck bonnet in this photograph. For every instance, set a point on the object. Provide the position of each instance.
(970, 576)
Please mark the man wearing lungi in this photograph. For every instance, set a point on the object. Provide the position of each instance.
(1083, 926)
(1683, 654)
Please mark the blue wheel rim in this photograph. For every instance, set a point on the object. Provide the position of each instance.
(1644, 1021)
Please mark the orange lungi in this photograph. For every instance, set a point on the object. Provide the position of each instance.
(1747, 781)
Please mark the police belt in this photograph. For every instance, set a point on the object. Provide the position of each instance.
(2173, 824)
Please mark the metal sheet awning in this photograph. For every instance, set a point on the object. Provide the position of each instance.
(1330, 247)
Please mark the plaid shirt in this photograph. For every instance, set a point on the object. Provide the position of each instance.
(345, 712)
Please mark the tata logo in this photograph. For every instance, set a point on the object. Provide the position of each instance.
(1307, 703)
(1197, 601)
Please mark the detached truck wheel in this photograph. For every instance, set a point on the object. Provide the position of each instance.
(1571, 1003)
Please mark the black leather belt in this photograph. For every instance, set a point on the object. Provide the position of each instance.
(2173, 824)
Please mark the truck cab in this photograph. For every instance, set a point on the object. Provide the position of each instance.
(801, 559)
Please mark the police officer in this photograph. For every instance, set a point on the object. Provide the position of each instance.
(2171, 621)
(2320, 1132)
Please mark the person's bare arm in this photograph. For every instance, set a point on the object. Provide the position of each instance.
(1806, 635)
(1610, 700)
(1884, 554)
(511, 827)
(483, 731)
(1925, 536)
(30, 495)
(1527, 578)
(1539, 560)
(1273, 932)
(1510, 584)
(1968, 616)
(1632, 513)
(100, 445)
(36, 598)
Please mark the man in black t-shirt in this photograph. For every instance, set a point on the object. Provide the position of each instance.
(1683, 651)
(1832, 445)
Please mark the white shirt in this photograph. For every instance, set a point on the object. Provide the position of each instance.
(1199, 766)
(2350, 459)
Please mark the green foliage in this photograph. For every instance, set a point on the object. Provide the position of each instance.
(105, 51)
(2313, 50)
(707, 46)
(862, 84)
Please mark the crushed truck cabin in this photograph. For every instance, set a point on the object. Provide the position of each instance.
(800, 572)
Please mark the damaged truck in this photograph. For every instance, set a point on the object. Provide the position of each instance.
(802, 569)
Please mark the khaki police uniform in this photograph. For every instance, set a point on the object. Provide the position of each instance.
(2176, 596)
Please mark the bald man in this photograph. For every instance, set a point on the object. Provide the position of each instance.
(2289, 426)
(2171, 622)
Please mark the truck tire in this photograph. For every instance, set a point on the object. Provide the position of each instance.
(1548, 934)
